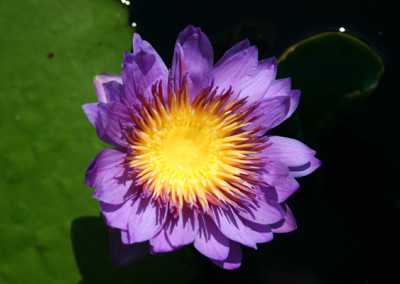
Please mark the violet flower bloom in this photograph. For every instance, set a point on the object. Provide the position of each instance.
(190, 163)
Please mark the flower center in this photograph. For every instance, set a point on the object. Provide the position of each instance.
(194, 153)
(185, 148)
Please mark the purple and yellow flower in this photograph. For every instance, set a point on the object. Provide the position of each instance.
(190, 164)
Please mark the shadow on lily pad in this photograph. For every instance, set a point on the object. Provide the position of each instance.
(90, 240)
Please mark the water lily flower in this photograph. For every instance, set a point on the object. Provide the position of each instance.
(190, 163)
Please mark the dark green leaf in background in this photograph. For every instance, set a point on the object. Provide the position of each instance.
(333, 70)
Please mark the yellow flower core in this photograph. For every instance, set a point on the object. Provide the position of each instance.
(194, 153)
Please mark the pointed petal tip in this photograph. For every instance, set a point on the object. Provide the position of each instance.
(128, 57)
(271, 60)
(268, 64)
(193, 55)
(196, 39)
(286, 81)
(245, 42)
(288, 224)
(136, 37)
(190, 29)
(227, 265)
(137, 42)
(298, 157)
(101, 79)
(160, 243)
(305, 169)
(234, 259)
(210, 241)
(146, 219)
(89, 107)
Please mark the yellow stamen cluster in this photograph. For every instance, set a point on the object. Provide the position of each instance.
(194, 153)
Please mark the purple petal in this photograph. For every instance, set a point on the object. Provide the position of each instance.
(109, 177)
(182, 230)
(280, 192)
(117, 216)
(294, 154)
(146, 220)
(288, 224)
(114, 92)
(240, 46)
(260, 233)
(106, 160)
(108, 119)
(255, 85)
(122, 255)
(176, 233)
(278, 88)
(286, 188)
(179, 68)
(210, 241)
(294, 101)
(114, 117)
(197, 55)
(240, 230)
(274, 172)
(232, 226)
(142, 45)
(234, 259)
(262, 211)
(230, 70)
(142, 69)
(281, 88)
(93, 114)
(125, 237)
(102, 78)
(160, 243)
(305, 169)
(271, 112)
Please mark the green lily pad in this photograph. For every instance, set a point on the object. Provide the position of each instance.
(49, 54)
(333, 70)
